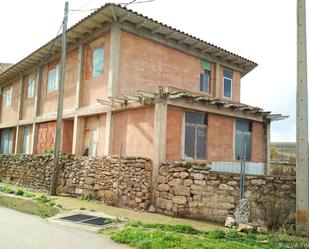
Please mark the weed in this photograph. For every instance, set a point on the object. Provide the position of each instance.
(7, 189)
(82, 208)
(44, 213)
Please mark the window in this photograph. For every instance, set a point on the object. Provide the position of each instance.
(53, 79)
(26, 141)
(8, 97)
(30, 92)
(195, 135)
(205, 77)
(204, 81)
(97, 61)
(6, 143)
(227, 83)
(243, 139)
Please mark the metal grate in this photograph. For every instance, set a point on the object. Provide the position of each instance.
(99, 221)
(87, 219)
(78, 217)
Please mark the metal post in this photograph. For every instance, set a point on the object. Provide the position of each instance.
(54, 180)
(243, 171)
(302, 186)
(118, 176)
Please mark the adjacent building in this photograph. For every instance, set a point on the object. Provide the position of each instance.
(134, 83)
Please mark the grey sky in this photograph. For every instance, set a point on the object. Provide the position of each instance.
(261, 30)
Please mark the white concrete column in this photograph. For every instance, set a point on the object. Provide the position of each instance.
(34, 138)
(217, 81)
(78, 135)
(302, 169)
(159, 149)
(37, 93)
(79, 76)
(109, 133)
(20, 99)
(114, 59)
(112, 86)
(267, 149)
(17, 139)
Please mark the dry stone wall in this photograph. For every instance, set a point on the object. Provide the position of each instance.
(95, 176)
(191, 190)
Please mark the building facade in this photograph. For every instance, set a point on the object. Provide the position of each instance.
(136, 84)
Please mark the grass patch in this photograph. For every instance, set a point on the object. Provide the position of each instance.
(41, 205)
(162, 236)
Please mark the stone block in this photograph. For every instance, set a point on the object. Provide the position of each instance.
(179, 200)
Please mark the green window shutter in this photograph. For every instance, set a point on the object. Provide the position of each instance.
(205, 65)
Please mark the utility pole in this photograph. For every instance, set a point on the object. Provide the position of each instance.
(302, 170)
(54, 180)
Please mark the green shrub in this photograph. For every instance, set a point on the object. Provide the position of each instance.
(20, 192)
(216, 234)
(49, 151)
(43, 199)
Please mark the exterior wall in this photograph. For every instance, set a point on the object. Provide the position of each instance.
(67, 136)
(174, 132)
(220, 140)
(48, 102)
(45, 136)
(145, 65)
(95, 88)
(258, 142)
(9, 114)
(28, 103)
(135, 130)
(220, 144)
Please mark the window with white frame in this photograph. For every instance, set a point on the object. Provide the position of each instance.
(53, 79)
(227, 82)
(97, 61)
(8, 97)
(195, 135)
(30, 89)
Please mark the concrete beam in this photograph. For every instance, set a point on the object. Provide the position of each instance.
(213, 109)
(160, 119)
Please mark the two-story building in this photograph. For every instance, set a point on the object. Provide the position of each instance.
(135, 82)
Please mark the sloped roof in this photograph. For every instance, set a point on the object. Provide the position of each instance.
(5, 66)
(109, 13)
